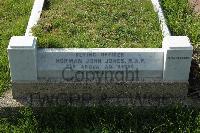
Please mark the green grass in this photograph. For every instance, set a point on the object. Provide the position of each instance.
(14, 16)
(181, 19)
(99, 24)
(175, 119)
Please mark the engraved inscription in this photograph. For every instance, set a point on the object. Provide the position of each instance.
(178, 58)
(86, 65)
(101, 61)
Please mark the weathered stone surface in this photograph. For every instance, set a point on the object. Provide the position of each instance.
(10, 106)
(177, 58)
(22, 53)
(92, 64)
(130, 93)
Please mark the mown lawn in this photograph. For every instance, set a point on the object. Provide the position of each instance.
(175, 119)
(181, 19)
(14, 16)
(99, 24)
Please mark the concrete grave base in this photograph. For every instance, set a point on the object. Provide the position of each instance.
(131, 93)
(30, 64)
(139, 95)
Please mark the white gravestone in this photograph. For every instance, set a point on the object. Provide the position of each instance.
(22, 53)
(178, 57)
(100, 64)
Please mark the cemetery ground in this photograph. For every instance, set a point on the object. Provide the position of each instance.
(181, 21)
(99, 24)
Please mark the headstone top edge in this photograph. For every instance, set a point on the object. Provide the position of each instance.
(177, 42)
(22, 42)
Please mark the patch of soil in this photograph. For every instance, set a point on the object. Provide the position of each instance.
(195, 4)
(195, 66)
(194, 80)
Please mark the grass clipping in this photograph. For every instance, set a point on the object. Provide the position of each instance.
(99, 24)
